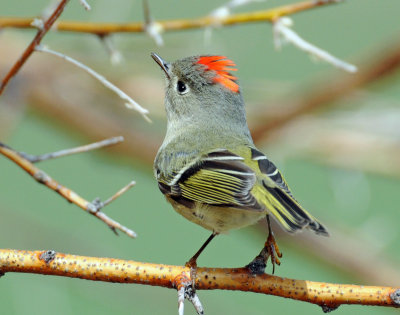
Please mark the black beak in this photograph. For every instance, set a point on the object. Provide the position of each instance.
(163, 64)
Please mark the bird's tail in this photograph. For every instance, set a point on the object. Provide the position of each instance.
(289, 213)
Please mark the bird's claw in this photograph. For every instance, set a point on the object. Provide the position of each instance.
(271, 249)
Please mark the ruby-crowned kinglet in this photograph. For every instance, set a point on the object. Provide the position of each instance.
(208, 167)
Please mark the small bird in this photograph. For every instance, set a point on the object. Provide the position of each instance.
(208, 167)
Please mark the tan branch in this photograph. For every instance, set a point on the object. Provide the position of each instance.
(36, 41)
(327, 295)
(171, 25)
(41, 177)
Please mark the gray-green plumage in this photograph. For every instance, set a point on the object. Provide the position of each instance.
(208, 167)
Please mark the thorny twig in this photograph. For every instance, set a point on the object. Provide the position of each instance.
(43, 178)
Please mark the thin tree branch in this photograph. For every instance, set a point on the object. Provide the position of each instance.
(118, 194)
(284, 34)
(172, 25)
(41, 177)
(138, 144)
(36, 41)
(327, 295)
(334, 89)
(84, 148)
(130, 103)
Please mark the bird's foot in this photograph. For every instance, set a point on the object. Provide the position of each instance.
(271, 249)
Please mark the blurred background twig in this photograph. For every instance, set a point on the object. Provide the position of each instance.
(171, 25)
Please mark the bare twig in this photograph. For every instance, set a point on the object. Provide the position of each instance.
(35, 42)
(61, 153)
(283, 34)
(118, 193)
(130, 102)
(41, 177)
(173, 25)
(137, 143)
(327, 295)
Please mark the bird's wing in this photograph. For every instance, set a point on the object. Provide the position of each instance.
(279, 200)
(219, 178)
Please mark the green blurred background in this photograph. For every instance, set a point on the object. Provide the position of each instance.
(357, 201)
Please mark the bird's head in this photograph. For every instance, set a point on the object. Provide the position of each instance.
(201, 88)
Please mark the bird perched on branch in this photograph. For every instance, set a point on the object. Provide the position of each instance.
(208, 167)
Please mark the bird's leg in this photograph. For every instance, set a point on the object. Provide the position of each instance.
(271, 249)
(192, 263)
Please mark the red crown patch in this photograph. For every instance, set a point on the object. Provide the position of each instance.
(221, 65)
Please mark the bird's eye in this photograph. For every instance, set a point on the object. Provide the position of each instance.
(182, 87)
